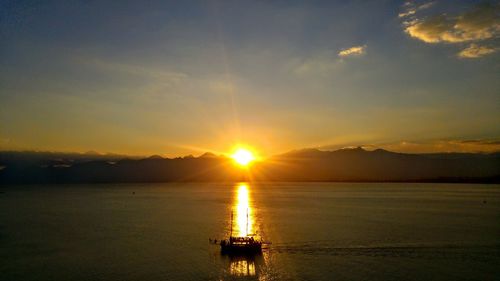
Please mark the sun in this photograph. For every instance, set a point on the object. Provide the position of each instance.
(243, 156)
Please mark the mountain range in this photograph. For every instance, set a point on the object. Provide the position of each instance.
(351, 165)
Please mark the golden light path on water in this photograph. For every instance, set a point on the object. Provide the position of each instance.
(242, 267)
(244, 225)
(244, 215)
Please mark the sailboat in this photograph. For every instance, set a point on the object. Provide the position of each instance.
(240, 244)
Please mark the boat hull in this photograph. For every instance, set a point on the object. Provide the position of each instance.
(241, 249)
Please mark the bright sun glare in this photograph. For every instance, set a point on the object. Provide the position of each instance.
(243, 156)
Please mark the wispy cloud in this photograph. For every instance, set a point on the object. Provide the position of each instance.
(325, 62)
(353, 51)
(138, 70)
(473, 26)
(322, 63)
(411, 9)
(476, 51)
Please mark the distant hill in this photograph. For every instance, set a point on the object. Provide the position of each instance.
(357, 164)
(354, 164)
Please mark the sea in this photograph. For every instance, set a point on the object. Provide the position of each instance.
(311, 231)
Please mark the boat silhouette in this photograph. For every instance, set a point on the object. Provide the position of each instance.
(241, 245)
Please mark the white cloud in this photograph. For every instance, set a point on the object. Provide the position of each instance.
(353, 51)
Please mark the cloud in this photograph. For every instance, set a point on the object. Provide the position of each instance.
(144, 71)
(477, 24)
(407, 13)
(323, 63)
(315, 66)
(476, 51)
(352, 51)
(411, 9)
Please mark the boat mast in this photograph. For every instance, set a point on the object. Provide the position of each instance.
(247, 223)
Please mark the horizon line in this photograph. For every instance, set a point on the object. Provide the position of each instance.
(163, 156)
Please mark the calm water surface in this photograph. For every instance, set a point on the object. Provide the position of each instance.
(319, 231)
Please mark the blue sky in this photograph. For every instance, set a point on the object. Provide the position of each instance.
(183, 77)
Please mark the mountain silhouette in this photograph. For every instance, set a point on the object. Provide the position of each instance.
(357, 164)
(350, 164)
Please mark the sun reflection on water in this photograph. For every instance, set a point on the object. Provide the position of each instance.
(244, 215)
(242, 267)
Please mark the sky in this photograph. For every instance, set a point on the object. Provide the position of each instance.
(186, 77)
